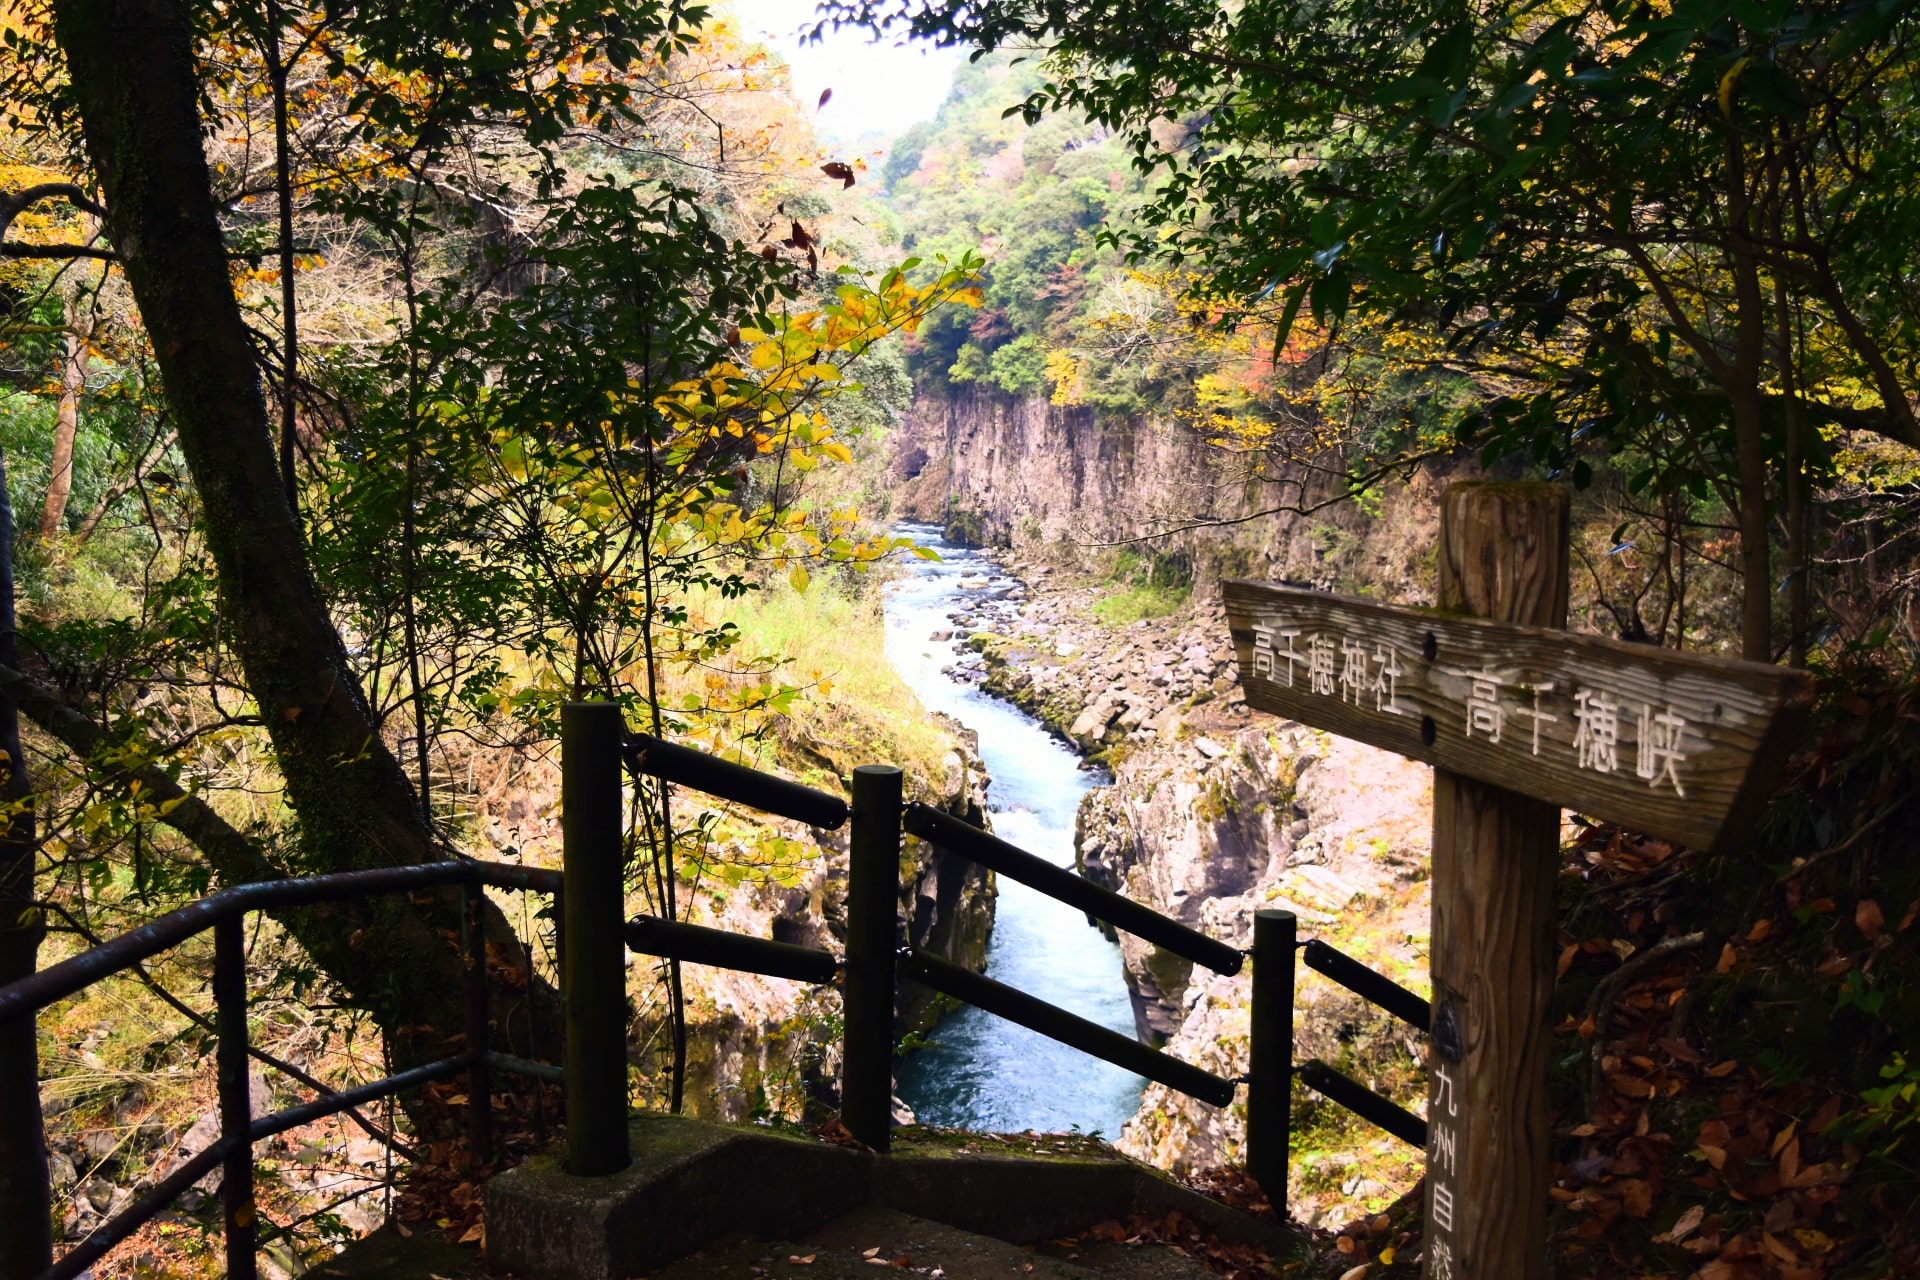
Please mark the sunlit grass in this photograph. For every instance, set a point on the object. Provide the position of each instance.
(854, 708)
(1131, 604)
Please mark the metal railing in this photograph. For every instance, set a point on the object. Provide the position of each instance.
(876, 958)
(225, 914)
(594, 932)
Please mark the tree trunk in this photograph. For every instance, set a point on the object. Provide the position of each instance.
(1742, 383)
(66, 421)
(131, 64)
(26, 1213)
(1756, 550)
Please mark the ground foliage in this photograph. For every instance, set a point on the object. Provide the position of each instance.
(1735, 1095)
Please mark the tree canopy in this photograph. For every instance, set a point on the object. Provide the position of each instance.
(1687, 228)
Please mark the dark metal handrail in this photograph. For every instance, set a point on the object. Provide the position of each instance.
(1368, 985)
(1364, 1102)
(594, 742)
(1057, 1024)
(1016, 863)
(697, 944)
(57, 982)
(735, 782)
(224, 913)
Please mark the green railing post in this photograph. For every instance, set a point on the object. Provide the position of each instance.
(1270, 1065)
(236, 1094)
(594, 970)
(873, 903)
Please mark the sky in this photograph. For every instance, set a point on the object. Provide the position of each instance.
(878, 89)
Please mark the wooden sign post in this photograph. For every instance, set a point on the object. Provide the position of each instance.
(1519, 719)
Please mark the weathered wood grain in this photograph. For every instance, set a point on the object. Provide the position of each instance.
(1489, 1146)
(1682, 746)
(1503, 555)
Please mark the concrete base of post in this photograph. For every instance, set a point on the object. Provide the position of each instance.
(696, 1181)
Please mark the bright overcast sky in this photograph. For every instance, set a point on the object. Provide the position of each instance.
(877, 88)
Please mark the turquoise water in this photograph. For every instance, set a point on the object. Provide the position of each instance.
(982, 1072)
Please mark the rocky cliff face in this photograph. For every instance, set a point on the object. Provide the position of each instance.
(1024, 473)
(1214, 812)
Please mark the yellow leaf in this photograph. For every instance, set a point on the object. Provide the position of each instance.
(1729, 82)
(799, 577)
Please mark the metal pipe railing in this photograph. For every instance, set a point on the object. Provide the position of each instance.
(592, 937)
(57, 982)
(736, 782)
(1057, 1024)
(1368, 985)
(697, 944)
(1270, 1054)
(873, 914)
(238, 1215)
(163, 1193)
(1365, 1103)
(473, 979)
(1016, 863)
(225, 913)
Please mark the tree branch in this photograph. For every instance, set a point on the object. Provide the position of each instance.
(235, 858)
(14, 203)
(14, 249)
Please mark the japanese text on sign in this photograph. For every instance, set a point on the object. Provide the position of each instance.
(1493, 707)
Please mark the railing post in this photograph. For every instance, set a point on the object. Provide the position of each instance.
(594, 972)
(479, 1081)
(873, 903)
(1270, 1056)
(236, 1104)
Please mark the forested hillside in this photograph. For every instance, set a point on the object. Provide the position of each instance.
(432, 399)
(1136, 412)
(377, 379)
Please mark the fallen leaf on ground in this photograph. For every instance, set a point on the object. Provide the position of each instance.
(1685, 1225)
(1636, 1197)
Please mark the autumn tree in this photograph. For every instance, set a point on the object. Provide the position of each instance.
(1630, 222)
(445, 145)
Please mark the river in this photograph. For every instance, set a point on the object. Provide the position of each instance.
(982, 1072)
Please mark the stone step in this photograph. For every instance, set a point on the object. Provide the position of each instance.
(743, 1201)
(874, 1242)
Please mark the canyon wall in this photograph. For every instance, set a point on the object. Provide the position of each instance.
(1000, 471)
(1215, 810)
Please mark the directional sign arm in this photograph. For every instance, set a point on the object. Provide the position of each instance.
(1683, 746)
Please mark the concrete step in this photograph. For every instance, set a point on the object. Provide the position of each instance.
(745, 1202)
(693, 1182)
(874, 1242)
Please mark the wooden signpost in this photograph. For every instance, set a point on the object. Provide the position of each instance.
(1520, 719)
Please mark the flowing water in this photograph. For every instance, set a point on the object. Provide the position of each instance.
(982, 1072)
